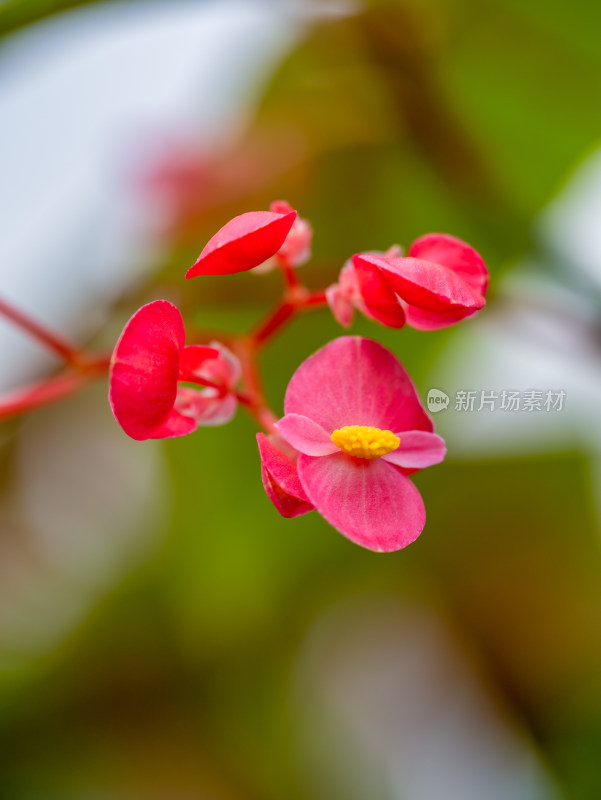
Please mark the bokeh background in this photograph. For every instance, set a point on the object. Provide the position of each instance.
(164, 634)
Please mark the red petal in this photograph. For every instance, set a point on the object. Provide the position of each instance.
(369, 501)
(381, 303)
(145, 368)
(193, 357)
(176, 425)
(434, 320)
(280, 480)
(243, 243)
(455, 254)
(427, 285)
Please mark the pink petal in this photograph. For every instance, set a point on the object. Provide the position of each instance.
(226, 368)
(296, 249)
(370, 501)
(380, 302)
(243, 243)
(418, 449)
(281, 207)
(305, 435)
(454, 254)
(280, 480)
(145, 368)
(206, 407)
(355, 381)
(340, 305)
(218, 411)
(427, 285)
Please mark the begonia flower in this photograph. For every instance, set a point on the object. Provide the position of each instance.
(353, 415)
(441, 281)
(243, 243)
(149, 372)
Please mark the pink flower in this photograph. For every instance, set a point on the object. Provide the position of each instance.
(243, 243)
(354, 416)
(441, 281)
(148, 365)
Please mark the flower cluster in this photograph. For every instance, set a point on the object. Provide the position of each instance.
(353, 429)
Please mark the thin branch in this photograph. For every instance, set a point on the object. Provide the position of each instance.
(68, 352)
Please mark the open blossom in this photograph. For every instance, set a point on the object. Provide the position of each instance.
(150, 368)
(243, 243)
(441, 281)
(354, 417)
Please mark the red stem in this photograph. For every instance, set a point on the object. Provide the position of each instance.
(289, 273)
(296, 300)
(276, 320)
(314, 299)
(72, 355)
(49, 390)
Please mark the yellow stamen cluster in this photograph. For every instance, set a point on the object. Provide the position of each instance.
(363, 441)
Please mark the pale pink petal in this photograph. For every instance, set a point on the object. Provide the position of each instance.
(347, 281)
(280, 207)
(145, 368)
(305, 435)
(426, 285)
(418, 449)
(369, 501)
(340, 305)
(266, 267)
(243, 243)
(455, 254)
(226, 368)
(206, 407)
(355, 381)
(280, 480)
(296, 249)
